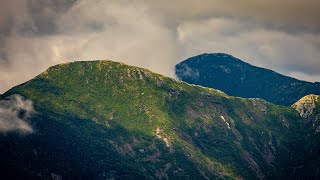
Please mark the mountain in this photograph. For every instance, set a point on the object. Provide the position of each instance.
(237, 78)
(108, 120)
(309, 108)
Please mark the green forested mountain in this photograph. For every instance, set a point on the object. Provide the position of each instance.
(103, 120)
(237, 78)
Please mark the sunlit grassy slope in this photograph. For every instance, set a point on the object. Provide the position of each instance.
(102, 119)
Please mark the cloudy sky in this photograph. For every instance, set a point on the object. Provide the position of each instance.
(35, 34)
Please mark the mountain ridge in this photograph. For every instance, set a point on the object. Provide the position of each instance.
(238, 78)
(102, 119)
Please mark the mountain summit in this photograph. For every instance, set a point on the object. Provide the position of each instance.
(108, 120)
(237, 78)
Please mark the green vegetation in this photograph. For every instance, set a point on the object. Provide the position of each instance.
(102, 119)
(237, 78)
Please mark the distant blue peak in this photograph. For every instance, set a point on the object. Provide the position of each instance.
(218, 55)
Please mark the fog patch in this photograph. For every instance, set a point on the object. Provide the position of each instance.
(15, 111)
(185, 71)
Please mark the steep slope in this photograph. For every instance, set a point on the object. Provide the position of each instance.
(101, 119)
(237, 78)
(309, 108)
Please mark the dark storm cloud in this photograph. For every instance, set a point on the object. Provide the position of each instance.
(31, 16)
(282, 35)
(295, 13)
(44, 13)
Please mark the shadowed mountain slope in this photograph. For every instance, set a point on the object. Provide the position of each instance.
(237, 78)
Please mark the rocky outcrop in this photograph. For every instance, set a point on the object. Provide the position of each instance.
(306, 105)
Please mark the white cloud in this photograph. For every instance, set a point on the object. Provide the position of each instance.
(14, 113)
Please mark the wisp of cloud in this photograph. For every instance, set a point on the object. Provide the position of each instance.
(14, 114)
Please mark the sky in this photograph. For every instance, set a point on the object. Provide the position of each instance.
(36, 34)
